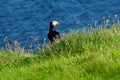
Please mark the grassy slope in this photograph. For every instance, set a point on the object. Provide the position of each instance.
(77, 56)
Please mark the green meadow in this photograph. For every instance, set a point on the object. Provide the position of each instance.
(78, 55)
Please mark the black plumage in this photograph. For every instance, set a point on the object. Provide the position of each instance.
(53, 34)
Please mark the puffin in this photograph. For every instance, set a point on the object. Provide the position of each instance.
(53, 35)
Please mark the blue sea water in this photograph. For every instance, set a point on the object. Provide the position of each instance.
(20, 19)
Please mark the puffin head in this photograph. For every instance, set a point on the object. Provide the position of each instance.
(54, 23)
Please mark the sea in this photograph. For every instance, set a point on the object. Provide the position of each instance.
(27, 21)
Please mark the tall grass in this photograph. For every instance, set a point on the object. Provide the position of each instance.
(91, 55)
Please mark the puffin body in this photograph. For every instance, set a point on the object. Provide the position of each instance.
(53, 34)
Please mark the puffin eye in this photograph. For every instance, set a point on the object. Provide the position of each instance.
(55, 23)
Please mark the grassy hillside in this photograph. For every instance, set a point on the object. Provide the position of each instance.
(92, 55)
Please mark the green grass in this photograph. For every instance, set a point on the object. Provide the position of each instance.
(92, 55)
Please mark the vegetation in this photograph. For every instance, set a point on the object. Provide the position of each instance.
(79, 55)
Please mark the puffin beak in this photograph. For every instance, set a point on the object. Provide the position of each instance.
(55, 23)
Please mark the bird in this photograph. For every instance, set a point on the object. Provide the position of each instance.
(53, 35)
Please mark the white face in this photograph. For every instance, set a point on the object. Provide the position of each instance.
(55, 23)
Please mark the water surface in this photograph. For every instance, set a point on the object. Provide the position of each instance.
(20, 19)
